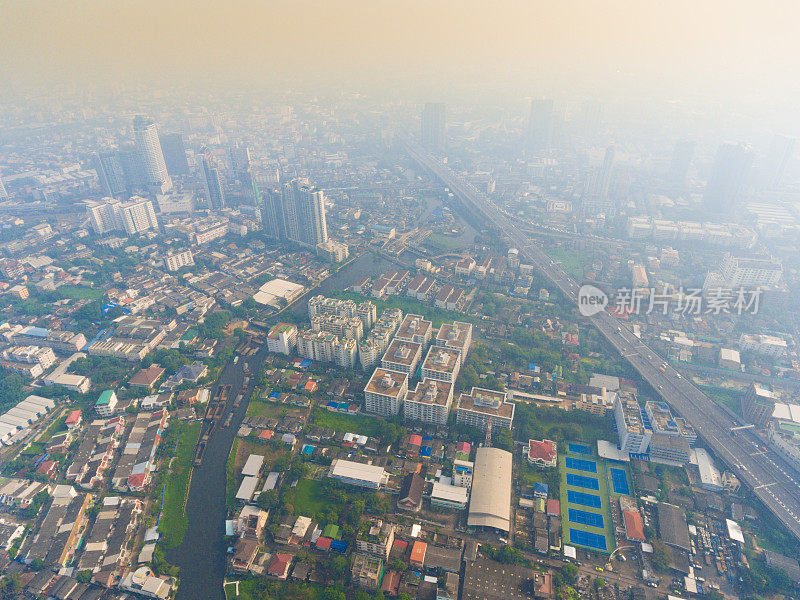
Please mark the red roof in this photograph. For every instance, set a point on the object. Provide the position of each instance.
(463, 447)
(415, 439)
(553, 507)
(279, 565)
(418, 553)
(324, 543)
(311, 386)
(46, 467)
(136, 481)
(402, 544)
(391, 582)
(542, 450)
(74, 417)
(633, 525)
(266, 434)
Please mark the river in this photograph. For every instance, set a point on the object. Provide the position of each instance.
(201, 555)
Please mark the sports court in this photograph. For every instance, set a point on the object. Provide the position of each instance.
(581, 464)
(588, 539)
(583, 499)
(582, 517)
(579, 448)
(582, 481)
(619, 481)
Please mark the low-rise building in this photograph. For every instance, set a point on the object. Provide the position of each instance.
(542, 453)
(480, 406)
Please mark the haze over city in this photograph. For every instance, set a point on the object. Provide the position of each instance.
(438, 300)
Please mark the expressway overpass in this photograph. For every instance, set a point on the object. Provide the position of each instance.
(767, 476)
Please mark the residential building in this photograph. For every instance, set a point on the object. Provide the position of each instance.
(385, 392)
(480, 406)
(174, 261)
(216, 195)
(416, 329)
(442, 364)
(402, 356)
(455, 336)
(634, 435)
(367, 571)
(758, 404)
(766, 345)
(106, 403)
(542, 453)
(282, 338)
(739, 271)
(429, 402)
(154, 168)
(434, 126)
(375, 538)
(303, 213)
(333, 251)
(462, 473)
(327, 347)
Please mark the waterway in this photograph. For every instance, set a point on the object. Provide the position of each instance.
(201, 555)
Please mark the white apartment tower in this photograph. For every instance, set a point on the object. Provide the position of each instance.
(154, 168)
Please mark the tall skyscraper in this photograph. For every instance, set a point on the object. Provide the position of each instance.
(434, 126)
(3, 192)
(274, 215)
(682, 157)
(591, 117)
(780, 153)
(174, 154)
(216, 196)
(540, 126)
(110, 172)
(132, 168)
(597, 199)
(725, 185)
(242, 169)
(145, 135)
(304, 210)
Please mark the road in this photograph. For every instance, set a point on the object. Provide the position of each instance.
(770, 481)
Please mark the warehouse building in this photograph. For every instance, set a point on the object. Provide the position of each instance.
(490, 505)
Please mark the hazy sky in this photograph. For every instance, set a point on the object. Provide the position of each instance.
(738, 49)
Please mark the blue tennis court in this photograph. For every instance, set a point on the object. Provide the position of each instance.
(581, 464)
(579, 448)
(582, 517)
(582, 481)
(587, 539)
(619, 481)
(583, 499)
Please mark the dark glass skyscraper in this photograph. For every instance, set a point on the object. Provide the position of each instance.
(725, 184)
(110, 172)
(174, 154)
(216, 196)
(434, 126)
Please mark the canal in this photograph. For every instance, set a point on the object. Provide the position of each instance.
(201, 555)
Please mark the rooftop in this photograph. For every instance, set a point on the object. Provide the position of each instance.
(413, 325)
(403, 353)
(441, 359)
(429, 391)
(489, 402)
(386, 383)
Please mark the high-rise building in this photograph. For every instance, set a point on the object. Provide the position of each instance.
(174, 154)
(110, 172)
(304, 207)
(216, 196)
(3, 192)
(132, 168)
(540, 126)
(154, 168)
(780, 153)
(434, 126)
(725, 185)
(681, 161)
(274, 215)
(597, 199)
(135, 216)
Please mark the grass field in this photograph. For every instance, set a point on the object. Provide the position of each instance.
(445, 242)
(307, 500)
(253, 589)
(604, 491)
(259, 408)
(570, 261)
(342, 422)
(173, 521)
(79, 292)
(731, 399)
